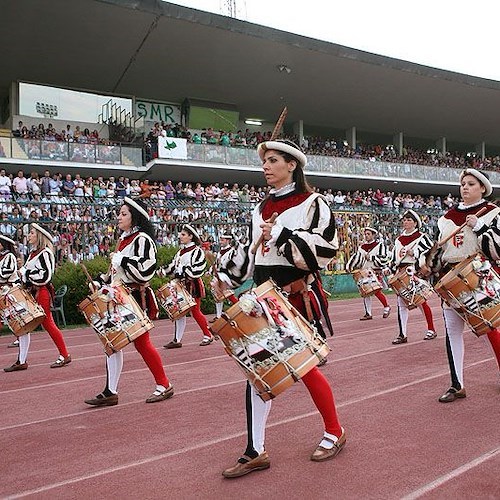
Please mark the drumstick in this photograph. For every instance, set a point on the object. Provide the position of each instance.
(87, 274)
(260, 241)
(279, 124)
(444, 240)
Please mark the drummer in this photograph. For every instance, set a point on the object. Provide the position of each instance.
(224, 255)
(36, 275)
(372, 254)
(301, 241)
(188, 265)
(134, 264)
(481, 234)
(8, 269)
(410, 251)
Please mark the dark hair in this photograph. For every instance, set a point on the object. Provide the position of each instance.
(139, 220)
(12, 248)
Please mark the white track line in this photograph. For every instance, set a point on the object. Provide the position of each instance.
(452, 475)
(200, 446)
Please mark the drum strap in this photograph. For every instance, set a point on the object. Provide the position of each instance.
(300, 287)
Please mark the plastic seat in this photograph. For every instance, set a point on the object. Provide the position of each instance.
(58, 304)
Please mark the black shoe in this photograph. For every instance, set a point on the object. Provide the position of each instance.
(16, 367)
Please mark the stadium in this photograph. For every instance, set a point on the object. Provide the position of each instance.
(168, 104)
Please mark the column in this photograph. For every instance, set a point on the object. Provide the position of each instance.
(441, 145)
(350, 135)
(298, 130)
(397, 141)
(481, 150)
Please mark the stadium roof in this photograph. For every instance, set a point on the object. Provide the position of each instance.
(160, 51)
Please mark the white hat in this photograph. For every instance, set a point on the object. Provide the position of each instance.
(286, 147)
(40, 229)
(480, 177)
(7, 239)
(136, 206)
(368, 228)
(192, 230)
(413, 215)
(227, 236)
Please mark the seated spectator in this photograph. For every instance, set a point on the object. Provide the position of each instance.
(68, 186)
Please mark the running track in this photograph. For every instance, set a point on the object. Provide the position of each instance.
(402, 443)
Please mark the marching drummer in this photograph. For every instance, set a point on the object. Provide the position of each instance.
(479, 234)
(189, 265)
(224, 255)
(36, 275)
(8, 269)
(410, 252)
(293, 236)
(134, 264)
(372, 254)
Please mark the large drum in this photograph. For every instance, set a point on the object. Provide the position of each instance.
(116, 317)
(19, 310)
(270, 340)
(220, 290)
(412, 289)
(472, 288)
(175, 299)
(367, 281)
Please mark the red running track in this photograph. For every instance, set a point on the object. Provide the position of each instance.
(401, 443)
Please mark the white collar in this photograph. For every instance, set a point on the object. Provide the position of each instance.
(404, 233)
(463, 206)
(288, 188)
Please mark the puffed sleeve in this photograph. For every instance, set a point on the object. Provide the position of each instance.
(141, 266)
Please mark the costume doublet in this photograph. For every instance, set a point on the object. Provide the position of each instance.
(39, 268)
(373, 255)
(418, 242)
(8, 268)
(189, 264)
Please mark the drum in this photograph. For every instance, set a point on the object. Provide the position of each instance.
(472, 288)
(366, 281)
(270, 340)
(115, 316)
(412, 289)
(220, 291)
(175, 299)
(19, 310)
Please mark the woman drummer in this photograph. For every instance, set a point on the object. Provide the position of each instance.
(188, 265)
(480, 234)
(36, 275)
(372, 254)
(410, 251)
(8, 268)
(224, 255)
(134, 264)
(300, 241)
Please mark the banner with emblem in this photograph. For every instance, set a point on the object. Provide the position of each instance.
(172, 147)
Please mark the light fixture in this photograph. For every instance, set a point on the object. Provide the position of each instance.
(251, 121)
(284, 68)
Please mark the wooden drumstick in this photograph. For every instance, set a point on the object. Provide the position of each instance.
(444, 240)
(279, 124)
(87, 274)
(260, 241)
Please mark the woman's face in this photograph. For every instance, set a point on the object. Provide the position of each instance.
(32, 237)
(185, 237)
(277, 171)
(409, 224)
(125, 218)
(471, 190)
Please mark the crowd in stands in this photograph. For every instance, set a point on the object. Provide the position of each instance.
(322, 146)
(49, 133)
(82, 212)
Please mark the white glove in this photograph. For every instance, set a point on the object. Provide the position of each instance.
(116, 260)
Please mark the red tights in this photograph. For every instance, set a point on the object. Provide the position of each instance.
(322, 395)
(44, 299)
(199, 317)
(152, 359)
